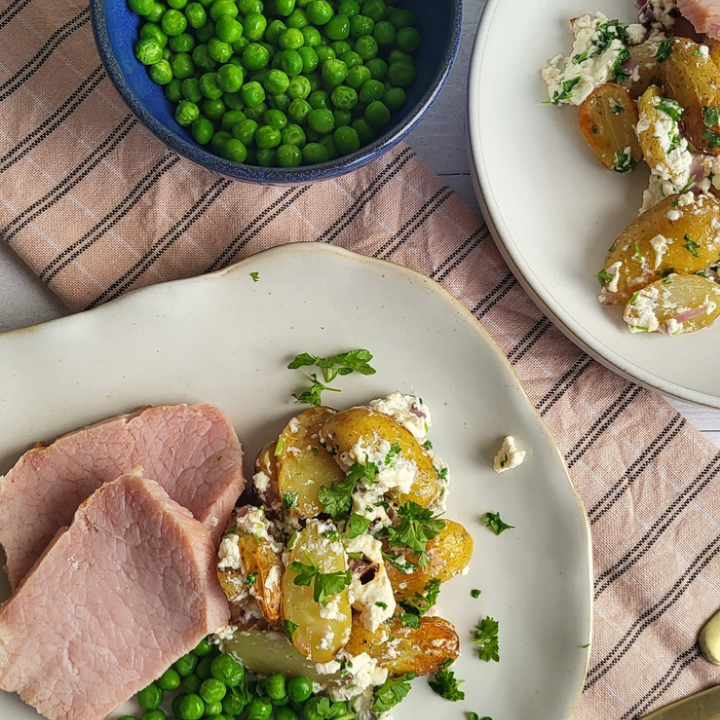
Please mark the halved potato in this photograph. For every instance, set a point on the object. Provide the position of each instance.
(401, 649)
(646, 64)
(265, 480)
(449, 552)
(676, 305)
(607, 119)
(679, 234)
(318, 631)
(364, 435)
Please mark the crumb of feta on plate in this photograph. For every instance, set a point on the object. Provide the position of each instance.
(509, 456)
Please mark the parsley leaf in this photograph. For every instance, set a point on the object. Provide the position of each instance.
(337, 498)
(420, 603)
(624, 162)
(476, 593)
(416, 526)
(312, 396)
(447, 686)
(485, 636)
(394, 450)
(691, 246)
(251, 579)
(496, 524)
(664, 50)
(617, 70)
(289, 627)
(604, 276)
(325, 585)
(392, 692)
(255, 276)
(410, 620)
(607, 32)
(670, 107)
(358, 525)
(710, 116)
(712, 138)
(290, 500)
(340, 364)
(565, 93)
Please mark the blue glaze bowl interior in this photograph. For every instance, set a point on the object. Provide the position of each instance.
(116, 31)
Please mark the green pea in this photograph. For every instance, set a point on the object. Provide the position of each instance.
(247, 6)
(253, 95)
(267, 136)
(384, 33)
(338, 27)
(182, 43)
(338, 709)
(201, 58)
(212, 690)
(319, 12)
(286, 713)
(374, 9)
(191, 91)
(256, 113)
(339, 47)
(319, 99)
(328, 142)
(155, 15)
(408, 39)
(401, 18)
(191, 683)
(357, 76)
(279, 102)
(239, 45)
(196, 15)
(209, 86)
(361, 25)
(230, 78)
(397, 55)
(290, 62)
(344, 97)
(229, 118)
(169, 680)
(288, 156)
(377, 114)
(309, 57)
(334, 72)
(255, 25)
(214, 109)
(312, 711)
(351, 59)
(265, 157)
(298, 110)
(148, 51)
(276, 82)
(366, 47)
(191, 707)
(173, 22)
(315, 81)
(291, 39)
(258, 709)
(401, 74)
(155, 714)
(202, 131)
(126, 717)
(321, 121)
(161, 72)
(153, 30)
(314, 153)
(185, 113)
(274, 30)
(298, 19)
(292, 134)
(214, 709)
(223, 7)
(255, 56)
(342, 117)
(177, 4)
(378, 68)
(228, 29)
(284, 7)
(206, 32)
(141, 7)
(371, 90)
(394, 98)
(365, 131)
(217, 143)
(349, 8)
(150, 697)
(245, 131)
(219, 50)
(233, 101)
(325, 52)
(232, 704)
(298, 87)
(311, 36)
(278, 120)
(182, 65)
(299, 688)
(173, 92)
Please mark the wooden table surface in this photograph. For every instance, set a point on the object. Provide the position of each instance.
(439, 139)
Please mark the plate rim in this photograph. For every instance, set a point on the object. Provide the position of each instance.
(511, 253)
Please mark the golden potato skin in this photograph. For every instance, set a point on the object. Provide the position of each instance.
(303, 464)
(315, 637)
(693, 245)
(693, 80)
(449, 552)
(420, 650)
(348, 427)
(265, 462)
(645, 57)
(607, 119)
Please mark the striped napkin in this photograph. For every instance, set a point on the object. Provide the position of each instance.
(96, 206)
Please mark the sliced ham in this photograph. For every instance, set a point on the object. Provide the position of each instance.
(703, 14)
(115, 599)
(191, 450)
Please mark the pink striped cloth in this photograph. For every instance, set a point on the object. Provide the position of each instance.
(96, 206)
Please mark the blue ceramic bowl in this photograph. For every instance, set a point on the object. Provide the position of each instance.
(116, 30)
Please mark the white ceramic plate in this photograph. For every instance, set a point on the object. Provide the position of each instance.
(552, 208)
(227, 340)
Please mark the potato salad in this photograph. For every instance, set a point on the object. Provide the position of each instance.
(651, 91)
(334, 565)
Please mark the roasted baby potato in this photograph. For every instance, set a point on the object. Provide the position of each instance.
(646, 63)
(259, 573)
(401, 649)
(265, 479)
(658, 131)
(374, 433)
(691, 77)
(449, 552)
(607, 119)
(676, 305)
(303, 464)
(318, 630)
(677, 235)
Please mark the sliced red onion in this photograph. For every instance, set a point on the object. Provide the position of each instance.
(629, 65)
(690, 314)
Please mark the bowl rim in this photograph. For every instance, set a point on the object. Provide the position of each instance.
(256, 173)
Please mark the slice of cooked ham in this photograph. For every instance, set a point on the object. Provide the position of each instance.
(703, 14)
(191, 450)
(114, 600)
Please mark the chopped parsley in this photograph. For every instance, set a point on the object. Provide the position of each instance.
(617, 70)
(565, 93)
(410, 620)
(279, 446)
(381, 605)
(691, 246)
(670, 107)
(417, 525)
(427, 445)
(711, 116)
(442, 473)
(337, 499)
(313, 395)
(340, 364)
(579, 58)
(638, 255)
(392, 692)
(403, 565)
(392, 452)
(251, 579)
(712, 138)
(420, 603)
(255, 276)
(685, 188)
(447, 686)
(289, 627)
(604, 276)
(485, 637)
(357, 525)
(665, 272)
(634, 297)
(617, 109)
(624, 162)
(476, 593)
(496, 524)
(664, 50)
(607, 32)
(325, 585)
(290, 500)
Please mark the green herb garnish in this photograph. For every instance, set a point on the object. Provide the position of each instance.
(485, 636)
(496, 524)
(447, 686)
(325, 585)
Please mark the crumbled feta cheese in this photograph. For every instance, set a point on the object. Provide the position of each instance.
(509, 456)
(660, 245)
(261, 482)
(408, 410)
(229, 553)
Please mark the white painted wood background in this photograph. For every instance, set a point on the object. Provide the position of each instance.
(439, 140)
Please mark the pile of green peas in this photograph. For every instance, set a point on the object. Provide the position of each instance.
(280, 83)
(207, 683)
